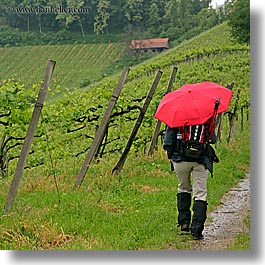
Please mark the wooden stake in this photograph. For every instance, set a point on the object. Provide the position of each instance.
(158, 123)
(137, 125)
(102, 128)
(232, 119)
(29, 136)
(219, 119)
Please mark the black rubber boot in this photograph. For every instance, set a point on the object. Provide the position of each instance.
(198, 218)
(184, 213)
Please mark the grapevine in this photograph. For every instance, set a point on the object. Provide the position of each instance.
(72, 116)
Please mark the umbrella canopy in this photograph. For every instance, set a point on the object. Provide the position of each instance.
(193, 104)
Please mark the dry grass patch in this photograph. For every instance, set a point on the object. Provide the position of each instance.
(110, 208)
(32, 236)
(146, 188)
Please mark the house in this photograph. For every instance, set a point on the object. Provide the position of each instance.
(140, 47)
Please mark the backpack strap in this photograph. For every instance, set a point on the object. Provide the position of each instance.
(185, 130)
(206, 133)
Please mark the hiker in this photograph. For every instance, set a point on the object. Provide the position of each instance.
(190, 153)
(190, 114)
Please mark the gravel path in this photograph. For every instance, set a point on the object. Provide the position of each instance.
(226, 222)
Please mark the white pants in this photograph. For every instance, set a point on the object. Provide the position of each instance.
(192, 178)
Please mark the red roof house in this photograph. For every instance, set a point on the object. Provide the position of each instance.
(149, 45)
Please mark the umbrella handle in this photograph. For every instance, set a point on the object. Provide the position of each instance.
(216, 106)
(212, 123)
(217, 103)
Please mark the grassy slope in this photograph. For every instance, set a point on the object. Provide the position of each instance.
(136, 209)
(76, 65)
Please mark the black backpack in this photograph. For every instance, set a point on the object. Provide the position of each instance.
(193, 144)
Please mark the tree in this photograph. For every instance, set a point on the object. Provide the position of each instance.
(185, 14)
(102, 17)
(198, 5)
(176, 19)
(29, 16)
(70, 17)
(207, 18)
(223, 10)
(172, 14)
(239, 20)
(36, 15)
(117, 19)
(153, 23)
(134, 12)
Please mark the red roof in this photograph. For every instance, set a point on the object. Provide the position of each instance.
(150, 43)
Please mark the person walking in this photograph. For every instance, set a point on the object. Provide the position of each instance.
(189, 113)
(189, 150)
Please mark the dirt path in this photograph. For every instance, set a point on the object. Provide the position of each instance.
(226, 222)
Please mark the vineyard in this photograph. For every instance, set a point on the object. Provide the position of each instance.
(77, 114)
(70, 119)
(77, 65)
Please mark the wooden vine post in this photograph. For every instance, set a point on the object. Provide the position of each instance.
(232, 118)
(219, 119)
(29, 136)
(102, 128)
(4, 159)
(138, 122)
(158, 123)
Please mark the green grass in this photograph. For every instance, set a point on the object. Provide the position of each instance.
(242, 241)
(133, 210)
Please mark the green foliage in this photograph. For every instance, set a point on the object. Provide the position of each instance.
(75, 64)
(13, 37)
(101, 20)
(16, 101)
(154, 21)
(69, 17)
(135, 210)
(51, 20)
(15, 112)
(76, 114)
(239, 21)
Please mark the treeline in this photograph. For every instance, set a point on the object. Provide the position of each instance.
(176, 19)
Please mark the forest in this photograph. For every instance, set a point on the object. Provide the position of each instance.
(148, 18)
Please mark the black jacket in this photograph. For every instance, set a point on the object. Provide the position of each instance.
(173, 151)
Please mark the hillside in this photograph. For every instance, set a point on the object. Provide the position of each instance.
(136, 209)
(219, 61)
(77, 65)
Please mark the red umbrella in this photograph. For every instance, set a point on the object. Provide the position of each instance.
(193, 104)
